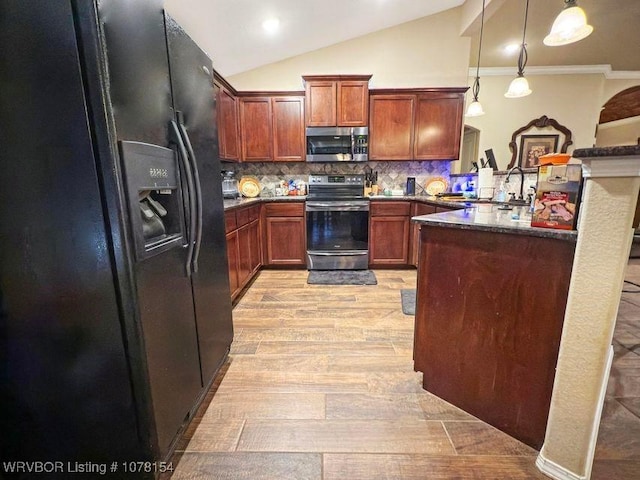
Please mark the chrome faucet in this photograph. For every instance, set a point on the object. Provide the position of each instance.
(506, 180)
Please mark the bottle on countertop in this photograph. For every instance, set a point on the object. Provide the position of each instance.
(501, 196)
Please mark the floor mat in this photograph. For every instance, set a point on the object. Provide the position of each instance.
(408, 297)
(342, 277)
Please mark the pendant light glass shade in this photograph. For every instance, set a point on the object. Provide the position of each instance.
(570, 26)
(519, 87)
(475, 109)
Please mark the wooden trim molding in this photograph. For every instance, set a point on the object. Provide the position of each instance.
(400, 91)
(541, 122)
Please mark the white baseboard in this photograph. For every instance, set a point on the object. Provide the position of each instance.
(558, 472)
(554, 470)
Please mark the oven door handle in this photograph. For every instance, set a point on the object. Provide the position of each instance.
(335, 207)
(339, 253)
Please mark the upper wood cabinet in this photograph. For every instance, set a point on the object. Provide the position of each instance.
(288, 129)
(341, 100)
(391, 127)
(420, 124)
(256, 129)
(438, 126)
(272, 128)
(228, 126)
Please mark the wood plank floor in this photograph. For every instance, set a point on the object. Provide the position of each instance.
(320, 385)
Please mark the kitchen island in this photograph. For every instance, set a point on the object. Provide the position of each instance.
(491, 298)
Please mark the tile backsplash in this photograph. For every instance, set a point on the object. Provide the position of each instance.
(391, 175)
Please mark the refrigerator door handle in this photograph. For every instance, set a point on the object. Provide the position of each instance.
(198, 190)
(184, 157)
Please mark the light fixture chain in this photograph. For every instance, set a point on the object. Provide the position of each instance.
(476, 82)
(524, 56)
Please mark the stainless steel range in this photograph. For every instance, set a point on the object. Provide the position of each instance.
(337, 214)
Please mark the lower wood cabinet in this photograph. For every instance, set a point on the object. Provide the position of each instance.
(389, 233)
(242, 227)
(285, 238)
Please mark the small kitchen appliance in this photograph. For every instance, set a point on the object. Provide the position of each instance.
(229, 184)
(411, 185)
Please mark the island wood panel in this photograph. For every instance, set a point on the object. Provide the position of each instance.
(489, 314)
(391, 127)
(256, 129)
(288, 129)
(417, 209)
(353, 103)
(438, 126)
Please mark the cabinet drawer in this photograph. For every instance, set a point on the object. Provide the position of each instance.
(284, 209)
(230, 221)
(243, 216)
(378, 209)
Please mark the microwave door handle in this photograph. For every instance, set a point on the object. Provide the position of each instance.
(198, 191)
(177, 139)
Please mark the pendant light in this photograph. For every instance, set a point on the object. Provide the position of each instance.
(519, 86)
(569, 26)
(475, 108)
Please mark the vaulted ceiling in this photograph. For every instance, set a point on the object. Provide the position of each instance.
(231, 32)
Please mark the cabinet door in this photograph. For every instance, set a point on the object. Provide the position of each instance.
(285, 241)
(256, 130)
(244, 255)
(288, 129)
(438, 126)
(255, 260)
(389, 241)
(232, 254)
(228, 126)
(391, 127)
(353, 104)
(320, 103)
(414, 241)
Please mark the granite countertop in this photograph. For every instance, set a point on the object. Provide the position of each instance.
(618, 151)
(230, 204)
(434, 200)
(492, 218)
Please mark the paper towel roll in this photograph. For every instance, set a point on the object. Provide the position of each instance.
(485, 183)
(485, 178)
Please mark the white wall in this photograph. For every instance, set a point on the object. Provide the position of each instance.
(620, 132)
(573, 100)
(423, 53)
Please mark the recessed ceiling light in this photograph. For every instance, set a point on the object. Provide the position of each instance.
(511, 48)
(271, 25)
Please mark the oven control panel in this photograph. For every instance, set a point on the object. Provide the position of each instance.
(351, 179)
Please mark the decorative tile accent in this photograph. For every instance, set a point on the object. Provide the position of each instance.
(390, 174)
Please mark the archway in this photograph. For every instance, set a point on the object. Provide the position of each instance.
(619, 122)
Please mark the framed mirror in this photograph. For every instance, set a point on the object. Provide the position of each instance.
(538, 137)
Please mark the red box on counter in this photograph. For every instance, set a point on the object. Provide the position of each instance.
(557, 196)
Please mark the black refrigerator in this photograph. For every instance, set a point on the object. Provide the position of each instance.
(115, 310)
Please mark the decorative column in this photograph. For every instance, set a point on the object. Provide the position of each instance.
(610, 192)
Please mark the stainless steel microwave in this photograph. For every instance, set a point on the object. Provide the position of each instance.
(337, 144)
